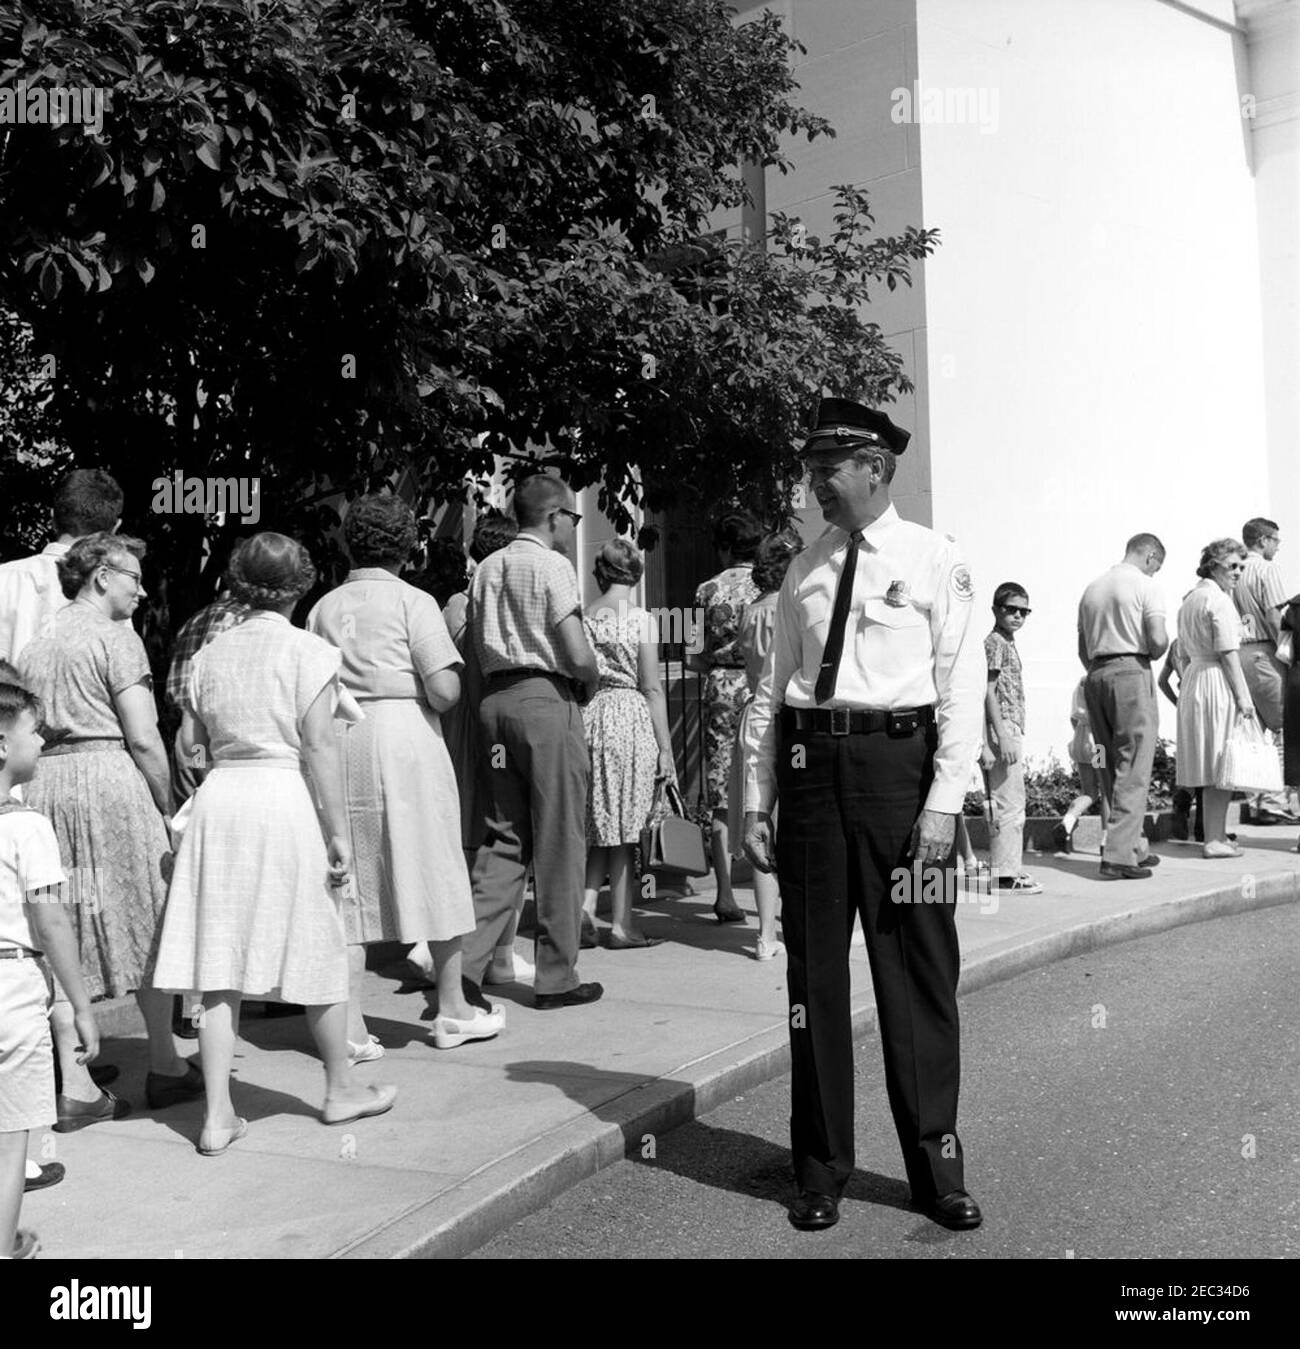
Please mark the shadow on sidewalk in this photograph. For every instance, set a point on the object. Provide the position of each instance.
(698, 1151)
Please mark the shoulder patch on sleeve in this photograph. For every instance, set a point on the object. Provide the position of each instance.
(959, 580)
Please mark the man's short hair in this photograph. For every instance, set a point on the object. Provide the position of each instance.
(87, 501)
(1005, 591)
(537, 496)
(1144, 543)
(888, 460)
(1255, 530)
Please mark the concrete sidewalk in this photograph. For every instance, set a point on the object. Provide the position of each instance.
(486, 1133)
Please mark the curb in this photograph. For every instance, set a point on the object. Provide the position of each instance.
(522, 1182)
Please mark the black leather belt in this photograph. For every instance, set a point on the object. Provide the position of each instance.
(513, 676)
(1140, 656)
(18, 953)
(903, 721)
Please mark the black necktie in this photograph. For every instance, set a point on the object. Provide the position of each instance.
(839, 620)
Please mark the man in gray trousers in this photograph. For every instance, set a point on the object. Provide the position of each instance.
(1121, 631)
(525, 615)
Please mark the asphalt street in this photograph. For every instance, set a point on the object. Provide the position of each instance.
(1139, 1101)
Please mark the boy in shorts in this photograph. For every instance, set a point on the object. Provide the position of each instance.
(33, 922)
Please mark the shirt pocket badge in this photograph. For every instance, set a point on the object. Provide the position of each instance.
(882, 612)
(898, 594)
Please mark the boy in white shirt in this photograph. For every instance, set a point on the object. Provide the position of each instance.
(33, 922)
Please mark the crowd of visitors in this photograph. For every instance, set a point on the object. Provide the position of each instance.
(392, 772)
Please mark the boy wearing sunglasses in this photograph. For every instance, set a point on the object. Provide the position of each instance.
(1004, 730)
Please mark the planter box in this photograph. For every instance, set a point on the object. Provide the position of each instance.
(1039, 830)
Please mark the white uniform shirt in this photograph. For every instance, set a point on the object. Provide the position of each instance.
(29, 595)
(918, 650)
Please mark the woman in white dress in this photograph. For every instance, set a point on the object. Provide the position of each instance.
(403, 804)
(1213, 692)
(253, 910)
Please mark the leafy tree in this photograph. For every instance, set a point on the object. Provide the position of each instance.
(339, 242)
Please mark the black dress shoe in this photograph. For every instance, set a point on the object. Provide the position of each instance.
(814, 1212)
(161, 1091)
(1116, 871)
(74, 1115)
(575, 997)
(589, 935)
(957, 1210)
(1150, 860)
(51, 1174)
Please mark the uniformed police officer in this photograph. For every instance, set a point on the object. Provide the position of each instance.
(865, 727)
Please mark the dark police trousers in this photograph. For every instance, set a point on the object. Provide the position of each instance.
(844, 821)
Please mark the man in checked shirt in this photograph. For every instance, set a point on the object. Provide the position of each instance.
(865, 725)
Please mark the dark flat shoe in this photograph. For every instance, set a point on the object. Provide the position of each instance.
(1115, 871)
(1150, 860)
(74, 1115)
(51, 1174)
(161, 1091)
(729, 915)
(814, 1212)
(575, 997)
(589, 936)
(955, 1210)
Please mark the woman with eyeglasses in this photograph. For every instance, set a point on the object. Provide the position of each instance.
(1213, 692)
(105, 785)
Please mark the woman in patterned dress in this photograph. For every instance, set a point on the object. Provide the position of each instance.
(399, 662)
(252, 910)
(775, 554)
(720, 602)
(105, 786)
(627, 735)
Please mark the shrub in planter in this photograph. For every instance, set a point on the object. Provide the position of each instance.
(1051, 787)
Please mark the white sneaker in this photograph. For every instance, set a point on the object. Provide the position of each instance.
(448, 1033)
(366, 1053)
(519, 971)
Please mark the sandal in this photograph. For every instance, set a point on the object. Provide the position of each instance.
(1023, 884)
(238, 1132)
(344, 1112)
(26, 1244)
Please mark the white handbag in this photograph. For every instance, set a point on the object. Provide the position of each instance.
(1249, 762)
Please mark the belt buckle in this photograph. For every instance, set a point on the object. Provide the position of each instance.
(839, 720)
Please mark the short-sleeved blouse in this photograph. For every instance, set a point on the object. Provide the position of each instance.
(79, 669)
(755, 636)
(252, 686)
(1208, 622)
(392, 636)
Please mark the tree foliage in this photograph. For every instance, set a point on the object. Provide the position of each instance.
(334, 242)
